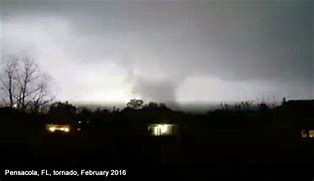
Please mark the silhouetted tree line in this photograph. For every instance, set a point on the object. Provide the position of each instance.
(67, 111)
(27, 103)
(245, 106)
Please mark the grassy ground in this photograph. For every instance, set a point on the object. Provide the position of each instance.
(210, 155)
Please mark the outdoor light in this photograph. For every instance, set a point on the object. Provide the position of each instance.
(66, 129)
(311, 133)
(60, 128)
(304, 133)
(52, 129)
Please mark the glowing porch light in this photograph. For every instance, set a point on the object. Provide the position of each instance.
(61, 128)
(52, 129)
(66, 129)
(307, 133)
(304, 133)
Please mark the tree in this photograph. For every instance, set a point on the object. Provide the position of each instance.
(163, 107)
(151, 106)
(263, 107)
(8, 83)
(224, 106)
(62, 111)
(85, 114)
(23, 85)
(62, 108)
(135, 104)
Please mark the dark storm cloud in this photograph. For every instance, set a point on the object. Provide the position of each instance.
(230, 40)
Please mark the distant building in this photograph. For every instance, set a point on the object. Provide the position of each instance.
(53, 128)
(59, 124)
(162, 129)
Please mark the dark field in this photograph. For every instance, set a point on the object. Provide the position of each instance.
(219, 145)
(219, 154)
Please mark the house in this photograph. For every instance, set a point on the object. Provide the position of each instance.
(60, 125)
(53, 128)
(162, 129)
(165, 125)
(152, 123)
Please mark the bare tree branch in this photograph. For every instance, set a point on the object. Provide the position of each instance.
(24, 84)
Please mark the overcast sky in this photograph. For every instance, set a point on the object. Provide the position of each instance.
(182, 51)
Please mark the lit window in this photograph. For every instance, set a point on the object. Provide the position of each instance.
(161, 129)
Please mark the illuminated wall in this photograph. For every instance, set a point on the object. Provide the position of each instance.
(162, 129)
